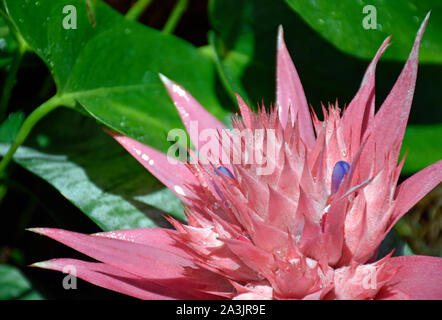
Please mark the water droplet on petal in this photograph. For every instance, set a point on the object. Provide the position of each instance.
(137, 151)
(344, 153)
(179, 190)
(227, 204)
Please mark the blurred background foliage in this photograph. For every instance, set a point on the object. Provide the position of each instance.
(70, 174)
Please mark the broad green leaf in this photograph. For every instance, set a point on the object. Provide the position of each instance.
(112, 68)
(14, 285)
(245, 46)
(345, 24)
(423, 147)
(236, 47)
(74, 155)
(9, 128)
(244, 40)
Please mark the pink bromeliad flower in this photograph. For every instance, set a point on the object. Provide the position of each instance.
(309, 228)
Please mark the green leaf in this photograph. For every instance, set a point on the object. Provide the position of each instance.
(342, 23)
(245, 47)
(112, 69)
(423, 146)
(9, 128)
(95, 173)
(14, 285)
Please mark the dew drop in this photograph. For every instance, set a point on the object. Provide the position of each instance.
(179, 190)
(227, 204)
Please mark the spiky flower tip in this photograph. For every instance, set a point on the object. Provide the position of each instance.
(303, 220)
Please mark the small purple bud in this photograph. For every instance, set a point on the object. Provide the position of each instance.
(225, 172)
(339, 171)
(219, 191)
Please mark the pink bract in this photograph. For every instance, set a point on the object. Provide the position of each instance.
(308, 230)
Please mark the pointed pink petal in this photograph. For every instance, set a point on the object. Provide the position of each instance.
(266, 236)
(290, 94)
(391, 119)
(255, 258)
(135, 258)
(361, 108)
(281, 210)
(141, 260)
(173, 175)
(190, 110)
(334, 232)
(160, 238)
(311, 242)
(415, 188)
(418, 277)
(246, 113)
(111, 278)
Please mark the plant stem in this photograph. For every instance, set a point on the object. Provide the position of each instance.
(11, 78)
(10, 82)
(137, 9)
(26, 128)
(175, 16)
(219, 68)
(3, 191)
